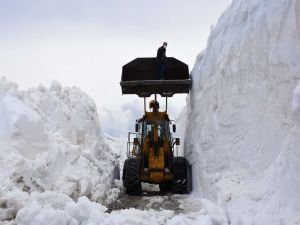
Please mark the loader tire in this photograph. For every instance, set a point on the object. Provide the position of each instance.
(166, 186)
(131, 176)
(182, 182)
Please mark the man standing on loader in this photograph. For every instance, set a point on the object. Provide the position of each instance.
(161, 60)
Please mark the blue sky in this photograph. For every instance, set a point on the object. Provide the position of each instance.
(85, 43)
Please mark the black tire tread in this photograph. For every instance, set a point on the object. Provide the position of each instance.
(182, 176)
(131, 176)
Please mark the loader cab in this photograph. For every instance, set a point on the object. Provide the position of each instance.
(162, 128)
(154, 124)
(146, 129)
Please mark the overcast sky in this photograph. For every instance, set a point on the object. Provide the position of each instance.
(84, 43)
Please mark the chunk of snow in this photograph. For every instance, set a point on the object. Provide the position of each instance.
(51, 140)
(60, 209)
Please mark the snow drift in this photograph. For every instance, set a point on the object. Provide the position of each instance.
(57, 167)
(243, 133)
(62, 210)
(50, 139)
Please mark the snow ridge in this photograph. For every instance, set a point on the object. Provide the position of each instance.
(243, 135)
(50, 140)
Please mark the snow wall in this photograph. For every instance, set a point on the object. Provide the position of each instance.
(243, 135)
(50, 140)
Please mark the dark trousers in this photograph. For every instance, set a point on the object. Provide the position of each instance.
(160, 69)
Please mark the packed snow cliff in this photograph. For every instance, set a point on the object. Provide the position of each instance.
(243, 135)
(50, 140)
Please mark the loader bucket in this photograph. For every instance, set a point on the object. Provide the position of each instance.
(140, 77)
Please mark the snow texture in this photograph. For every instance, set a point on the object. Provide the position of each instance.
(50, 140)
(242, 135)
(296, 99)
(62, 210)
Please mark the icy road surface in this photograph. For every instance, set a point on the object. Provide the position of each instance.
(40, 208)
(151, 198)
(165, 208)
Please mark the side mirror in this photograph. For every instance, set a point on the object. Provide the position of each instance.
(136, 127)
(135, 141)
(174, 128)
(177, 141)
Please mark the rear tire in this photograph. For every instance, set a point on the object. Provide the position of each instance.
(182, 182)
(131, 176)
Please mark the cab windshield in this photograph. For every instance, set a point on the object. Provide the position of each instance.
(162, 128)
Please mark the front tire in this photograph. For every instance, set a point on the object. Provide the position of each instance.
(182, 182)
(131, 176)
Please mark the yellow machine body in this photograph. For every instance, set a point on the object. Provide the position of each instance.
(155, 147)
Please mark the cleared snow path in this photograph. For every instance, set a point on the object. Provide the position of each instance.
(151, 198)
(167, 208)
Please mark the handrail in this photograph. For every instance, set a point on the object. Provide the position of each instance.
(129, 143)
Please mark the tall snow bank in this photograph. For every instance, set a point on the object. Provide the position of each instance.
(242, 135)
(50, 139)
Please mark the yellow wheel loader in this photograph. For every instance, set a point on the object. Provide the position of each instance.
(151, 148)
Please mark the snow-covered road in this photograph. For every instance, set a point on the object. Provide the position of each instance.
(59, 209)
(172, 209)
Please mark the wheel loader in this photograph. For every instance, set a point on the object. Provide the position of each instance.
(151, 149)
